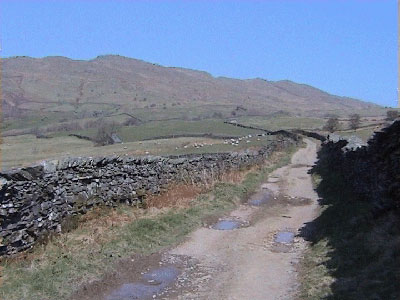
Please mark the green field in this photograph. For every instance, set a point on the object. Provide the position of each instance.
(147, 138)
(84, 113)
(27, 149)
(167, 128)
(172, 137)
(284, 122)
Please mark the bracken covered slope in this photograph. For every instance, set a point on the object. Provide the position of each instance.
(59, 84)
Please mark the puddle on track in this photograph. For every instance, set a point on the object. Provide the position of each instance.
(153, 283)
(285, 237)
(227, 225)
(261, 198)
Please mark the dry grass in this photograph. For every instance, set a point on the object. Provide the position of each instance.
(181, 194)
(91, 229)
(237, 176)
(177, 195)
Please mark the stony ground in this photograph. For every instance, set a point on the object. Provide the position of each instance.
(250, 254)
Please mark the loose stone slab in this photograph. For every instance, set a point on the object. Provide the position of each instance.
(274, 179)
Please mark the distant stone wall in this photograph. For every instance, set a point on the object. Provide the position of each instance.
(35, 200)
(285, 133)
(310, 134)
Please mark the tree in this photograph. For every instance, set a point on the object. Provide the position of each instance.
(392, 115)
(131, 122)
(354, 121)
(217, 115)
(36, 131)
(332, 124)
(104, 132)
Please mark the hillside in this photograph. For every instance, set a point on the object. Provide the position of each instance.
(110, 85)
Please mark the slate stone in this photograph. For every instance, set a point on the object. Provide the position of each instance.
(177, 161)
(50, 166)
(35, 200)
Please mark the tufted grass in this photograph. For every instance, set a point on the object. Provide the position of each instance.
(55, 269)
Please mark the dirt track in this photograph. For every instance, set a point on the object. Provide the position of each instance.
(249, 262)
(246, 263)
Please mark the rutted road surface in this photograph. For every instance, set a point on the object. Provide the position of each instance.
(250, 263)
(250, 254)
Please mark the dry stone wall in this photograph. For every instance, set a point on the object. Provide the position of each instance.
(372, 171)
(34, 201)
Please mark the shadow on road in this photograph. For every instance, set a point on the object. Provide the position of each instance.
(359, 248)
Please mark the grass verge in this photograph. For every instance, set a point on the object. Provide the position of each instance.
(56, 269)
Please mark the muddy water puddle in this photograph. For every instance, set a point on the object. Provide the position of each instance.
(227, 225)
(261, 198)
(151, 283)
(284, 237)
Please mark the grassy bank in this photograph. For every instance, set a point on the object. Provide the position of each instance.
(57, 268)
(354, 254)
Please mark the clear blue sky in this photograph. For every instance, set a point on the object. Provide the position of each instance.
(348, 48)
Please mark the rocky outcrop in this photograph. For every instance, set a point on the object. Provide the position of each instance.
(35, 200)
